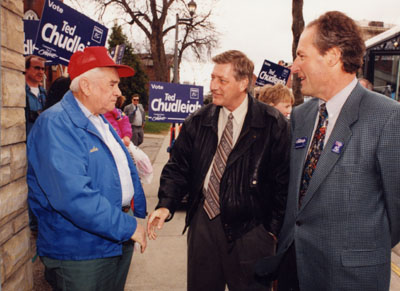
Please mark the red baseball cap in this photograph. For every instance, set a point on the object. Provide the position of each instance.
(95, 57)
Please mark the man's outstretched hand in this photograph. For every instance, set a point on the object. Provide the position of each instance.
(156, 221)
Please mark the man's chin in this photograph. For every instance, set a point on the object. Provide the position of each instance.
(305, 92)
(110, 108)
(217, 102)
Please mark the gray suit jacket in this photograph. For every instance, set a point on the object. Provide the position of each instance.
(349, 218)
(129, 110)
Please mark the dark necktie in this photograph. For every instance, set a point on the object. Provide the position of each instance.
(211, 202)
(315, 151)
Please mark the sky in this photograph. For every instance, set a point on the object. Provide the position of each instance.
(262, 28)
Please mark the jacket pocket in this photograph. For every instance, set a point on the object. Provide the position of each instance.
(359, 258)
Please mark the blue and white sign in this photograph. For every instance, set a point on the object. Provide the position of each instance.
(30, 31)
(117, 53)
(272, 73)
(63, 31)
(170, 102)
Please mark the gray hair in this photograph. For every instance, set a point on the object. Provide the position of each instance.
(74, 87)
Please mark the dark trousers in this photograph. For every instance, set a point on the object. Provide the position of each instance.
(214, 263)
(137, 135)
(89, 275)
(287, 278)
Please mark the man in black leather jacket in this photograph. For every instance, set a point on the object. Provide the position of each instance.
(222, 250)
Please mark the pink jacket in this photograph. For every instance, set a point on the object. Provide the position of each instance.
(120, 122)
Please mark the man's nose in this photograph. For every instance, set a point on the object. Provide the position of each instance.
(213, 85)
(295, 67)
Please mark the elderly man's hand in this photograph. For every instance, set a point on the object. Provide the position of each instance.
(140, 237)
(156, 219)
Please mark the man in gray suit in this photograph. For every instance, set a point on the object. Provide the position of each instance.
(137, 118)
(343, 210)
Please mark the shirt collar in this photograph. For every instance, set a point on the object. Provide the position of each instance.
(335, 104)
(240, 112)
(85, 111)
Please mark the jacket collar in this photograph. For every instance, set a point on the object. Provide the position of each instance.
(71, 107)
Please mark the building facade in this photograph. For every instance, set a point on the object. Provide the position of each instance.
(382, 62)
(15, 250)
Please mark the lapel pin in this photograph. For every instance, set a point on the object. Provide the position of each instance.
(337, 147)
(300, 143)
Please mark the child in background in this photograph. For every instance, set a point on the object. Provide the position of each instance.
(120, 122)
(278, 96)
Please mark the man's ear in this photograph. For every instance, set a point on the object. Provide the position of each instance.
(85, 86)
(243, 84)
(333, 55)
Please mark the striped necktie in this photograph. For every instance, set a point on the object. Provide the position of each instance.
(211, 202)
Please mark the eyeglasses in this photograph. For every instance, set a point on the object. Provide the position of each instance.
(135, 99)
(37, 68)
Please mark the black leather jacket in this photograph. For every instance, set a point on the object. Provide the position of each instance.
(254, 185)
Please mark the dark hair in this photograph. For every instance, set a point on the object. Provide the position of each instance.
(335, 29)
(57, 90)
(120, 101)
(242, 65)
(29, 58)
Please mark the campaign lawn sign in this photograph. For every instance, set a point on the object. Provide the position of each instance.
(117, 53)
(63, 30)
(170, 102)
(272, 73)
(30, 31)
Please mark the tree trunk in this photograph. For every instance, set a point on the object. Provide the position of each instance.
(161, 68)
(297, 29)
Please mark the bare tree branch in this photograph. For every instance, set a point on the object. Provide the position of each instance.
(156, 19)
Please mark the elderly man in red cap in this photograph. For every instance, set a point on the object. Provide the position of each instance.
(82, 182)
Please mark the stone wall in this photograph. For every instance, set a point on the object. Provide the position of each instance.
(15, 253)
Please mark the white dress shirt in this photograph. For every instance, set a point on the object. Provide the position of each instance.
(137, 121)
(334, 106)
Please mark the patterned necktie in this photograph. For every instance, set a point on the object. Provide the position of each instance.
(315, 151)
(211, 202)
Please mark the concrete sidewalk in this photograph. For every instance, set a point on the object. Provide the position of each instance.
(163, 265)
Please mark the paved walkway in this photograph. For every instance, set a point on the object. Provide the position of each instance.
(163, 265)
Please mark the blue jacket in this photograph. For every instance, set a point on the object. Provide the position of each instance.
(74, 187)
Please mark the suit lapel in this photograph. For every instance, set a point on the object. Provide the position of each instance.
(342, 134)
(304, 130)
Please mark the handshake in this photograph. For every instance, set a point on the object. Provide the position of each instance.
(156, 221)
